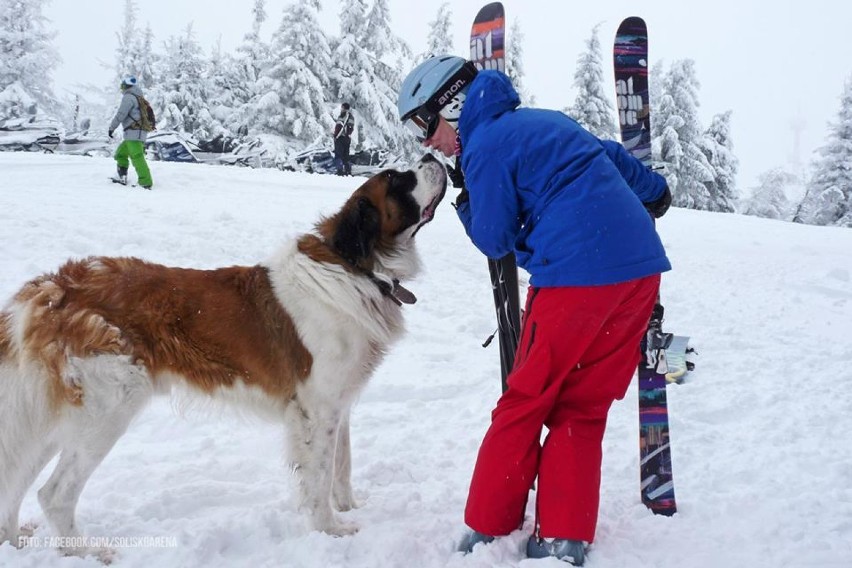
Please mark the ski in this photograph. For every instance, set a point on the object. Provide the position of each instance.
(487, 40)
(630, 63)
(124, 182)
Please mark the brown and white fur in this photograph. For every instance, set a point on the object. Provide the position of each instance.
(296, 338)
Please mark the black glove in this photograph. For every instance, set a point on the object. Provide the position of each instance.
(109, 132)
(456, 176)
(659, 207)
(463, 197)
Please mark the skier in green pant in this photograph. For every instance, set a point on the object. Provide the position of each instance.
(136, 127)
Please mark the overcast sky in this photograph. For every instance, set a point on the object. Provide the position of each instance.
(769, 62)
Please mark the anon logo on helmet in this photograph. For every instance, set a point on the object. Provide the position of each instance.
(451, 92)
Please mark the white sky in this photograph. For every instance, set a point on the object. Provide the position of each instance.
(768, 62)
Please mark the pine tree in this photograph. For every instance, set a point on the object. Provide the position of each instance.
(134, 54)
(254, 53)
(515, 63)
(146, 61)
(27, 59)
(367, 73)
(228, 90)
(181, 95)
(440, 38)
(769, 198)
(718, 148)
(127, 52)
(828, 200)
(679, 133)
(592, 108)
(294, 102)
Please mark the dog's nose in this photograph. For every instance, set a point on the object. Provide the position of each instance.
(429, 158)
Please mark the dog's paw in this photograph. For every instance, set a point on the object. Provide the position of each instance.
(105, 555)
(340, 528)
(101, 554)
(29, 529)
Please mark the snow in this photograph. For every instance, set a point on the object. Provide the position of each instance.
(762, 457)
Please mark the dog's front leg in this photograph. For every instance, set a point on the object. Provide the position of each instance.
(342, 490)
(312, 431)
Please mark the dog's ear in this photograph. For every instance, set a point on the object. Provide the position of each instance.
(358, 231)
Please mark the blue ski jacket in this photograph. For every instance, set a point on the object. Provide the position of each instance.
(567, 203)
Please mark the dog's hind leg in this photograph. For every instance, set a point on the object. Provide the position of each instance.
(15, 488)
(342, 490)
(114, 392)
(26, 441)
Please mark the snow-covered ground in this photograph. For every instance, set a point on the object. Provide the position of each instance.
(761, 429)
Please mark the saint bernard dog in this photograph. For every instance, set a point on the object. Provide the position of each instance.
(295, 339)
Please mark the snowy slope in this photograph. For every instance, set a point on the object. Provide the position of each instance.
(761, 430)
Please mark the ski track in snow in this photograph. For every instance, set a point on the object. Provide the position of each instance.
(761, 450)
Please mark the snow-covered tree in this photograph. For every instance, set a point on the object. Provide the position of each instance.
(592, 108)
(769, 199)
(718, 148)
(515, 63)
(27, 58)
(676, 127)
(367, 73)
(134, 54)
(181, 96)
(146, 59)
(440, 38)
(346, 48)
(828, 200)
(293, 100)
(227, 89)
(253, 53)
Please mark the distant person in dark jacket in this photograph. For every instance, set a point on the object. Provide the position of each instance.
(574, 210)
(132, 149)
(343, 127)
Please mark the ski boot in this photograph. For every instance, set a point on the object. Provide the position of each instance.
(122, 175)
(471, 539)
(571, 551)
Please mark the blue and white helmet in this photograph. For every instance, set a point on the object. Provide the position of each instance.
(440, 84)
(128, 81)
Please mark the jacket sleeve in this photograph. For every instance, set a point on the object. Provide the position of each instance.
(648, 185)
(123, 111)
(490, 217)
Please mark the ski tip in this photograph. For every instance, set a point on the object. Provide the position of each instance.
(489, 12)
(634, 25)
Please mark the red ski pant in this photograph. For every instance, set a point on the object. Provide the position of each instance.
(578, 351)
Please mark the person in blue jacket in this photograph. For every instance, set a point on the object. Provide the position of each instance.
(575, 211)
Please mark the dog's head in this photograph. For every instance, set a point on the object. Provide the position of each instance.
(385, 213)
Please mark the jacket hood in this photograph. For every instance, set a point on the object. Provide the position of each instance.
(489, 95)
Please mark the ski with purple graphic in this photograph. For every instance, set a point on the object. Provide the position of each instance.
(630, 62)
(487, 51)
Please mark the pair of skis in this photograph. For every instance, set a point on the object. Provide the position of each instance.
(630, 53)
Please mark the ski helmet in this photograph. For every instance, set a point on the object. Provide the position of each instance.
(437, 86)
(128, 82)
